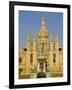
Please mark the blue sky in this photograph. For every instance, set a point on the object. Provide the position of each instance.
(30, 22)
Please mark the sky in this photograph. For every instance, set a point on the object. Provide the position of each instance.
(30, 22)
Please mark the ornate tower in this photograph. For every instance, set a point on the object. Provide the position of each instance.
(42, 46)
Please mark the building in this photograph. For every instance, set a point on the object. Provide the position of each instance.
(42, 58)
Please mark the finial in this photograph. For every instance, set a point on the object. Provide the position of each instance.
(43, 21)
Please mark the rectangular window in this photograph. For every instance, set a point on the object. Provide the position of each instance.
(54, 58)
(31, 58)
(54, 55)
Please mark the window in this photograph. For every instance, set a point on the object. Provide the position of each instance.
(42, 47)
(54, 55)
(20, 60)
(54, 46)
(54, 58)
(31, 58)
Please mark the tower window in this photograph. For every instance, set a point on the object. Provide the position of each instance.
(54, 58)
(31, 58)
(54, 45)
(42, 47)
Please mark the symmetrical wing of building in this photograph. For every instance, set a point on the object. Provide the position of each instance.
(42, 57)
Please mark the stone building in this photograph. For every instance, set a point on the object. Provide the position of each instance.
(42, 57)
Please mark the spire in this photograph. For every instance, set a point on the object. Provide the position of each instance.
(51, 38)
(43, 21)
(56, 37)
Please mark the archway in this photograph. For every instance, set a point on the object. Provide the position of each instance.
(41, 75)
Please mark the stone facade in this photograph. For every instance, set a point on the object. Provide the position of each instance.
(42, 58)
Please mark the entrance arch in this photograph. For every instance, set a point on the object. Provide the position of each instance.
(41, 75)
